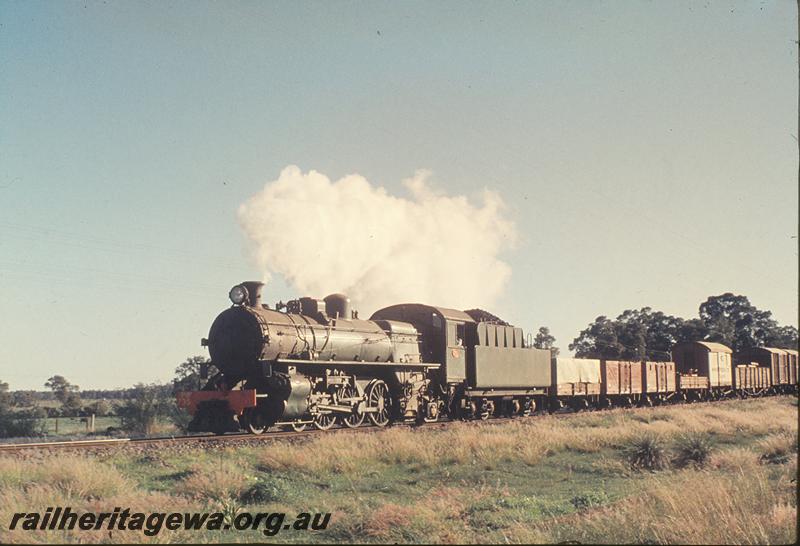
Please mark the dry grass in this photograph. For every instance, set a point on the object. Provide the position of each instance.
(217, 481)
(693, 507)
(528, 441)
(72, 476)
(38, 497)
(84, 484)
(778, 448)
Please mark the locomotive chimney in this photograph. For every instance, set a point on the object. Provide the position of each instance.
(253, 292)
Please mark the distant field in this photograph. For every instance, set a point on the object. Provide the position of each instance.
(726, 474)
(73, 425)
(86, 401)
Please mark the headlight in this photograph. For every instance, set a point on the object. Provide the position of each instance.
(238, 294)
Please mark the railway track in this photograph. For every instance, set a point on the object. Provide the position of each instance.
(214, 440)
(107, 443)
(255, 439)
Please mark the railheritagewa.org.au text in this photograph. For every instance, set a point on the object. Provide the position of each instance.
(152, 523)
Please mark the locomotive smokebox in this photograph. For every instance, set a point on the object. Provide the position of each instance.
(253, 292)
(337, 305)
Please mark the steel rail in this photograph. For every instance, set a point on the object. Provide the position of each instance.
(228, 437)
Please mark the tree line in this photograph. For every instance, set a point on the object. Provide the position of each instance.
(638, 334)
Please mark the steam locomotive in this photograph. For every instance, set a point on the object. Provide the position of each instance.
(314, 362)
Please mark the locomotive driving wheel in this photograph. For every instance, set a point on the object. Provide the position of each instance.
(378, 397)
(354, 419)
(324, 421)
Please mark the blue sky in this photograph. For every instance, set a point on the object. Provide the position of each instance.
(647, 152)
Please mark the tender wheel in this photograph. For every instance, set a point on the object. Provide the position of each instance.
(580, 404)
(324, 421)
(470, 410)
(379, 398)
(432, 412)
(357, 417)
(528, 407)
(487, 409)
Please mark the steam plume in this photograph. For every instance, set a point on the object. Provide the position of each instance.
(352, 237)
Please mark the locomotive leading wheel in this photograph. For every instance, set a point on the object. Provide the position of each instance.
(357, 417)
(378, 397)
(254, 421)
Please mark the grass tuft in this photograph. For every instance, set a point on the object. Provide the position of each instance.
(693, 449)
(217, 481)
(647, 453)
(778, 448)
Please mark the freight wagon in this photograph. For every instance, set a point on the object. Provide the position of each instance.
(627, 383)
(575, 382)
(783, 374)
(751, 379)
(704, 369)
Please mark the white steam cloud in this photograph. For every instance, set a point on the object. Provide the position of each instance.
(352, 237)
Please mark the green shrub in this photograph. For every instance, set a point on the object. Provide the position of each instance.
(589, 500)
(265, 489)
(18, 424)
(143, 407)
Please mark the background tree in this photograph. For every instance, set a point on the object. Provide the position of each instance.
(733, 321)
(783, 337)
(72, 404)
(5, 396)
(187, 374)
(646, 334)
(545, 340)
(100, 408)
(635, 334)
(23, 399)
(144, 406)
(60, 387)
(187, 378)
(599, 340)
(15, 423)
(66, 393)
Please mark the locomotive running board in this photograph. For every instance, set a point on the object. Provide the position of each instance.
(359, 364)
(500, 391)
